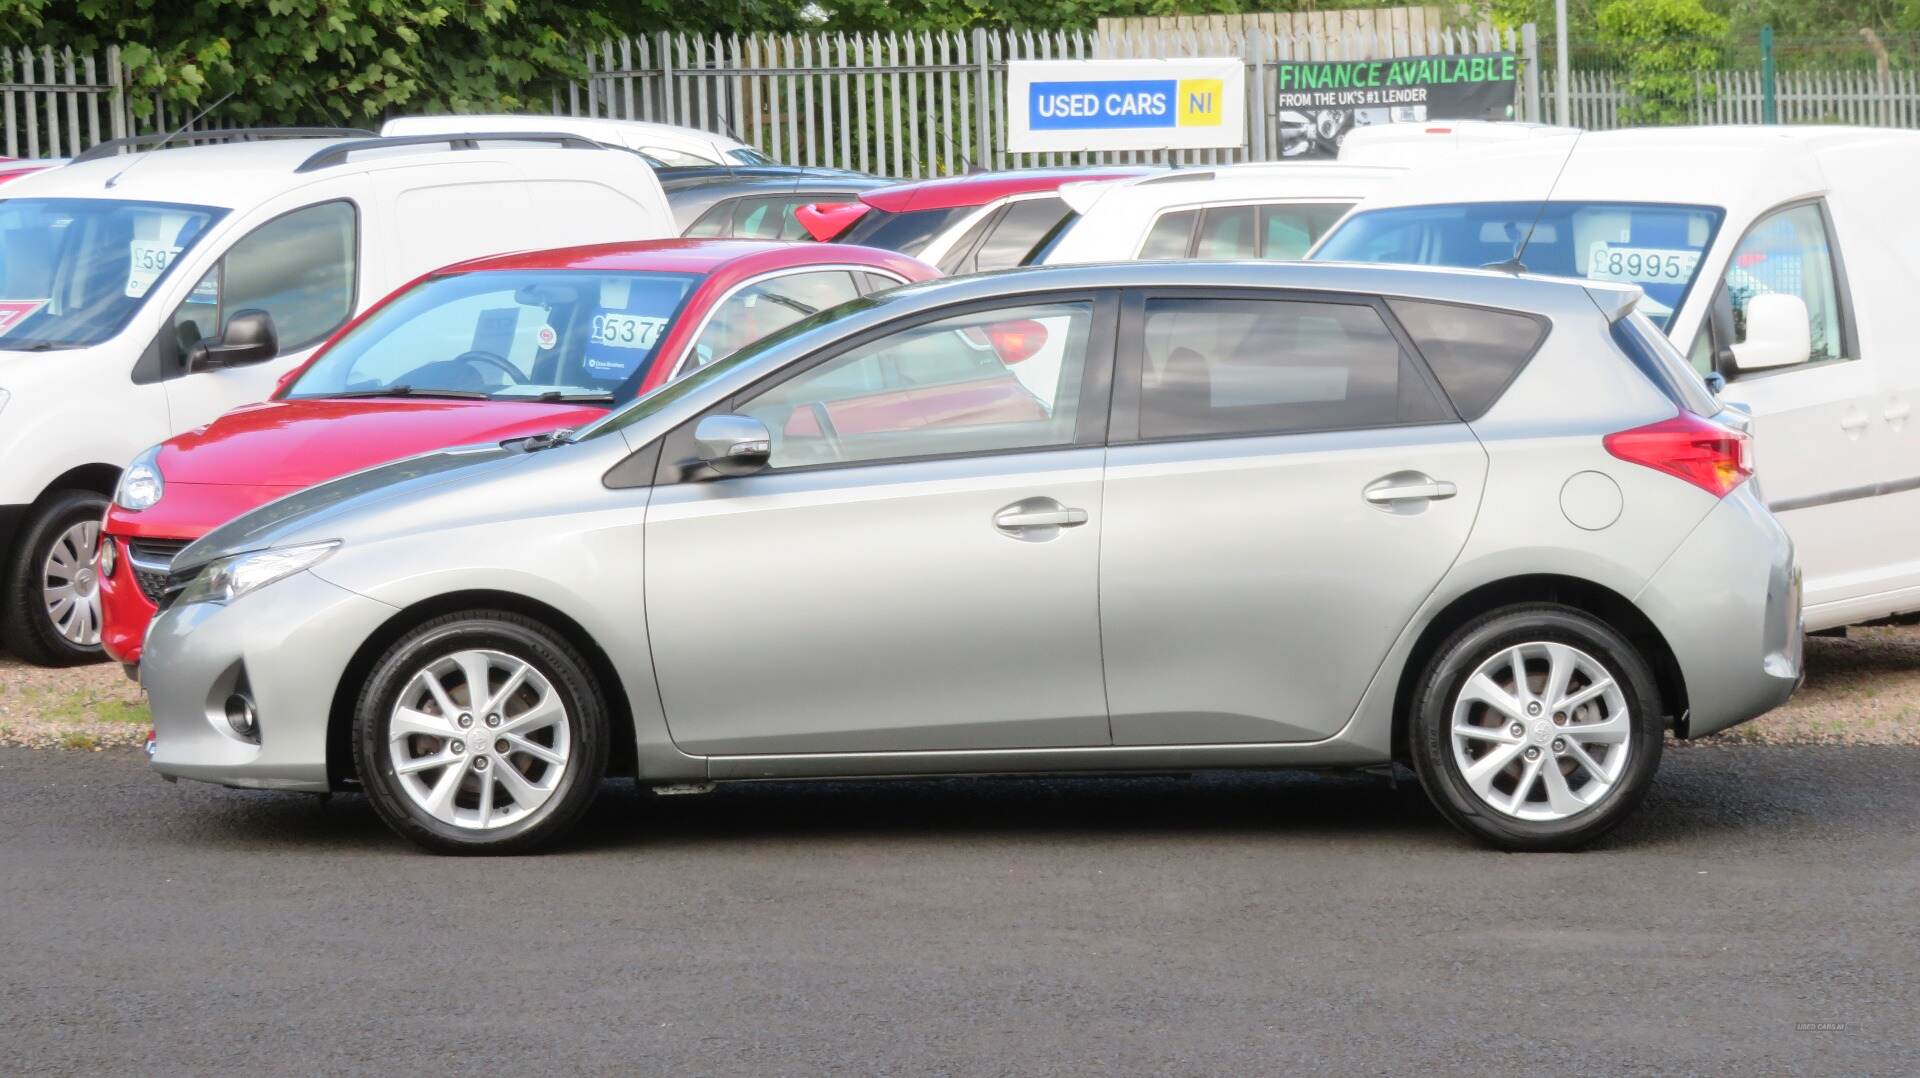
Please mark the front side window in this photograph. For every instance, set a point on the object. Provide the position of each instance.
(766, 306)
(73, 271)
(1655, 246)
(299, 268)
(1222, 367)
(1790, 252)
(1289, 231)
(506, 335)
(1275, 231)
(990, 381)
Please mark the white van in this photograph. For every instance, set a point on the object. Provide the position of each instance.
(665, 144)
(1270, 211)
(144, 294)
(1782, 260)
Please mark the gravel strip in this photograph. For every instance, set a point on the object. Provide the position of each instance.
(1863, 689)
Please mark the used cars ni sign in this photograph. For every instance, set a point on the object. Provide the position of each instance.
(1065, 519)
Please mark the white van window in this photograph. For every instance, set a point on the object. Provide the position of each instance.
(1655, 246)
(299, 268)
(73, 271)
(1789, 252)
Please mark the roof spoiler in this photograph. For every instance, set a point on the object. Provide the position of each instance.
(1616, 302)
(825, 220)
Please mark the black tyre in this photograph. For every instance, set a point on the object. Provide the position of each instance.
(481, 733)
(51, 611)
(1536, 727)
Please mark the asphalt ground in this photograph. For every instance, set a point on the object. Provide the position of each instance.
(1757, 916)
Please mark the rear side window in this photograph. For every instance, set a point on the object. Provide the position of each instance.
(1663, 365)
(1019, 230)
(1223, 367)
(1170, 236)
(1476, 353)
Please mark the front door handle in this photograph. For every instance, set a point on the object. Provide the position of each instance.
(1854, 423)
(1897, 414)
(1015, 517)
(1430, 490)
(1036, 520)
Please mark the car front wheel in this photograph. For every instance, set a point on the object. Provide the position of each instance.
(481, 732)
(51, 614)
(1537, 728)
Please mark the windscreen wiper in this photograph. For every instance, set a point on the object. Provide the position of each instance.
(407, 391)
(566, 397)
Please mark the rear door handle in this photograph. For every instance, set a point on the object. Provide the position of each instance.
(1854, 423)
(1431, 490)
(1897, 414)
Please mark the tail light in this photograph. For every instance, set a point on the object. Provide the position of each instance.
(1018, 340)
(1712, 457)
(825, 220)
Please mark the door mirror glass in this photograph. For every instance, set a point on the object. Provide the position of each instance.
(1779, 333)
(733, 444)
(249, 338)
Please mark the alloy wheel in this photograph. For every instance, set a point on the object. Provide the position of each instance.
(1541, 731)
(70, 586)
(479, 739)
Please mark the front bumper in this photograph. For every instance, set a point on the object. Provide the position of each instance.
(125, 609)
(1728, 604)
(287, 645)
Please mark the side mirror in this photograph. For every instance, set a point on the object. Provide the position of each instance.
(733, 444)
(249, 338)
(1779, 333)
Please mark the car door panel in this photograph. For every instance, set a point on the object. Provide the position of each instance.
(1249, 590)
(878, 609)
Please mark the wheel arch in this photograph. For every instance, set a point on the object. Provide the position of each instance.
(1598, 600)
(623, 754)
(98, 478)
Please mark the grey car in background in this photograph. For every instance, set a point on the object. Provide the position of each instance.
(756, 202)
(1142, 517)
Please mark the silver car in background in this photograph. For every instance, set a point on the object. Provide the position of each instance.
(1140, 517)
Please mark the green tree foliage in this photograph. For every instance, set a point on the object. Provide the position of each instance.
(1660, 44)
(353, 61)
(886, 15)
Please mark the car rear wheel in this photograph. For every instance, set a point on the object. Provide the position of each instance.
(1537, 728)
(52, 608)
(481, 732)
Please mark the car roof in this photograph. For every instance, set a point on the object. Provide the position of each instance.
(767, 176)
(1233, 183)
(980, 188)
(596, 127)
(700, 256)
(1729, 166)
(234, 175)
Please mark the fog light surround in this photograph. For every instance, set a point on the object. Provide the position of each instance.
(243, 717)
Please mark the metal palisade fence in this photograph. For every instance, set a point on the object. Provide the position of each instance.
(1887, 98)
(928, 104)
(55, 104)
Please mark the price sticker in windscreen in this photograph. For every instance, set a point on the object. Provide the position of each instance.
(146, 261)
(627, 330)
(1642, 265)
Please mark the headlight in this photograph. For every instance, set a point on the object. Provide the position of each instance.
(141, 484)
(228, 579)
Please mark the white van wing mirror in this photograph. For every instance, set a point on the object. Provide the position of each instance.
(1779, 333)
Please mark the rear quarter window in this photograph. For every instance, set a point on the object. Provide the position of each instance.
(1476, 353)
(1664, 366)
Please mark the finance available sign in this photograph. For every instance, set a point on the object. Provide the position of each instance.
(1067, 105)
(1319, 102)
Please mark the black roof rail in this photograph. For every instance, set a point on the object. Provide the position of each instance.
(115, 147)
(337, 153)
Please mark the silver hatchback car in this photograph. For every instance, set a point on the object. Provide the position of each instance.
(1142, 517)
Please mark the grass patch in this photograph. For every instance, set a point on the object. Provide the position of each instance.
(78, 739)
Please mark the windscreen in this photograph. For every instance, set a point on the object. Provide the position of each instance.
(1656, 246)
(74, 270)
(907, 233)
(507, 335)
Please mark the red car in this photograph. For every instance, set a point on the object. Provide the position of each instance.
(961, 224)
(497, 348)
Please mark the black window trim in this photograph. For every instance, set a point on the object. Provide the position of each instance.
(1849, 332)
(177, 368)
(1130, 361)
(677, 464)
